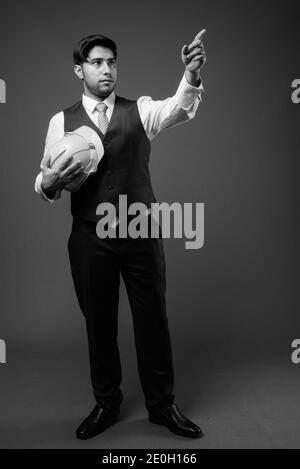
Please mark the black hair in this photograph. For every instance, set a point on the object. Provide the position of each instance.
(83, 47)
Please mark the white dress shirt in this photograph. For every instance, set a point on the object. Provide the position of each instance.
(156, 115)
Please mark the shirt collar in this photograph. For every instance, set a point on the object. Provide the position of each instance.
(91, 103)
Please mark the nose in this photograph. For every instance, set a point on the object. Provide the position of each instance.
(105, 68)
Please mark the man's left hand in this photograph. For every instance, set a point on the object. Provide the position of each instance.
(193, 55)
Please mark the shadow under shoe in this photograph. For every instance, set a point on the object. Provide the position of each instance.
(97, 421)
(172, 418)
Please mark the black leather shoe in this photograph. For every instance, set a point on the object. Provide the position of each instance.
(172, 418)
(98, 421)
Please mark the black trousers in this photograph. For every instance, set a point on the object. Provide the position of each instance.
(96, 265)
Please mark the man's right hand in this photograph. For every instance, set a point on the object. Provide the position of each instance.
(63, 175)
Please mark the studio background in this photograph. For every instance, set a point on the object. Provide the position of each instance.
(233, 304)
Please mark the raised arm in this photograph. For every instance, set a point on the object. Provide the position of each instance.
(157, 115)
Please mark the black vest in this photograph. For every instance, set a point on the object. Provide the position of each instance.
(124, 167)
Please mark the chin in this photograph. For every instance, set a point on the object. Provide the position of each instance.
(105, 89)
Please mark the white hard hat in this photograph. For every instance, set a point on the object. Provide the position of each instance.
(83, 144)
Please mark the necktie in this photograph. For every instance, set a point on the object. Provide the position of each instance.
(102, 117)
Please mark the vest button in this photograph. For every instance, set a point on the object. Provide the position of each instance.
(108, 172)
(110, 187)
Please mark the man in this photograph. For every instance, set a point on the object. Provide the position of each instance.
(126, 128)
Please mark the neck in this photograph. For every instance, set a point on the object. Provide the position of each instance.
(95, 96)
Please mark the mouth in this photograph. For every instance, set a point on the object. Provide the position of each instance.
(106, 81)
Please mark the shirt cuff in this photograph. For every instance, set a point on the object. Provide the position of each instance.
(40, 191)
(187, 94)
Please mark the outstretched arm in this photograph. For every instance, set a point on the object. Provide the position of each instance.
(157, 115)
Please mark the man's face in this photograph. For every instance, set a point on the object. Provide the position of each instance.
(99, 72)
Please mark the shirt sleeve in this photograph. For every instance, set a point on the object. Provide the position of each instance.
(157, 115)
(55, 132)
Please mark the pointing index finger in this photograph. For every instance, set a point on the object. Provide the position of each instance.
(200, 34)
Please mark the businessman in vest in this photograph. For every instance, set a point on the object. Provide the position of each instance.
(126, 128)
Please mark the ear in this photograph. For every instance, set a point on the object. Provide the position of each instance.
(78, 71)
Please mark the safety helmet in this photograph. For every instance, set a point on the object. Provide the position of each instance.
(83, 144)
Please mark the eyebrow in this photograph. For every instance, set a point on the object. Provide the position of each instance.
(100, 58)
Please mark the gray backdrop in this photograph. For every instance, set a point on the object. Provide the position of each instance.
(235, 299)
